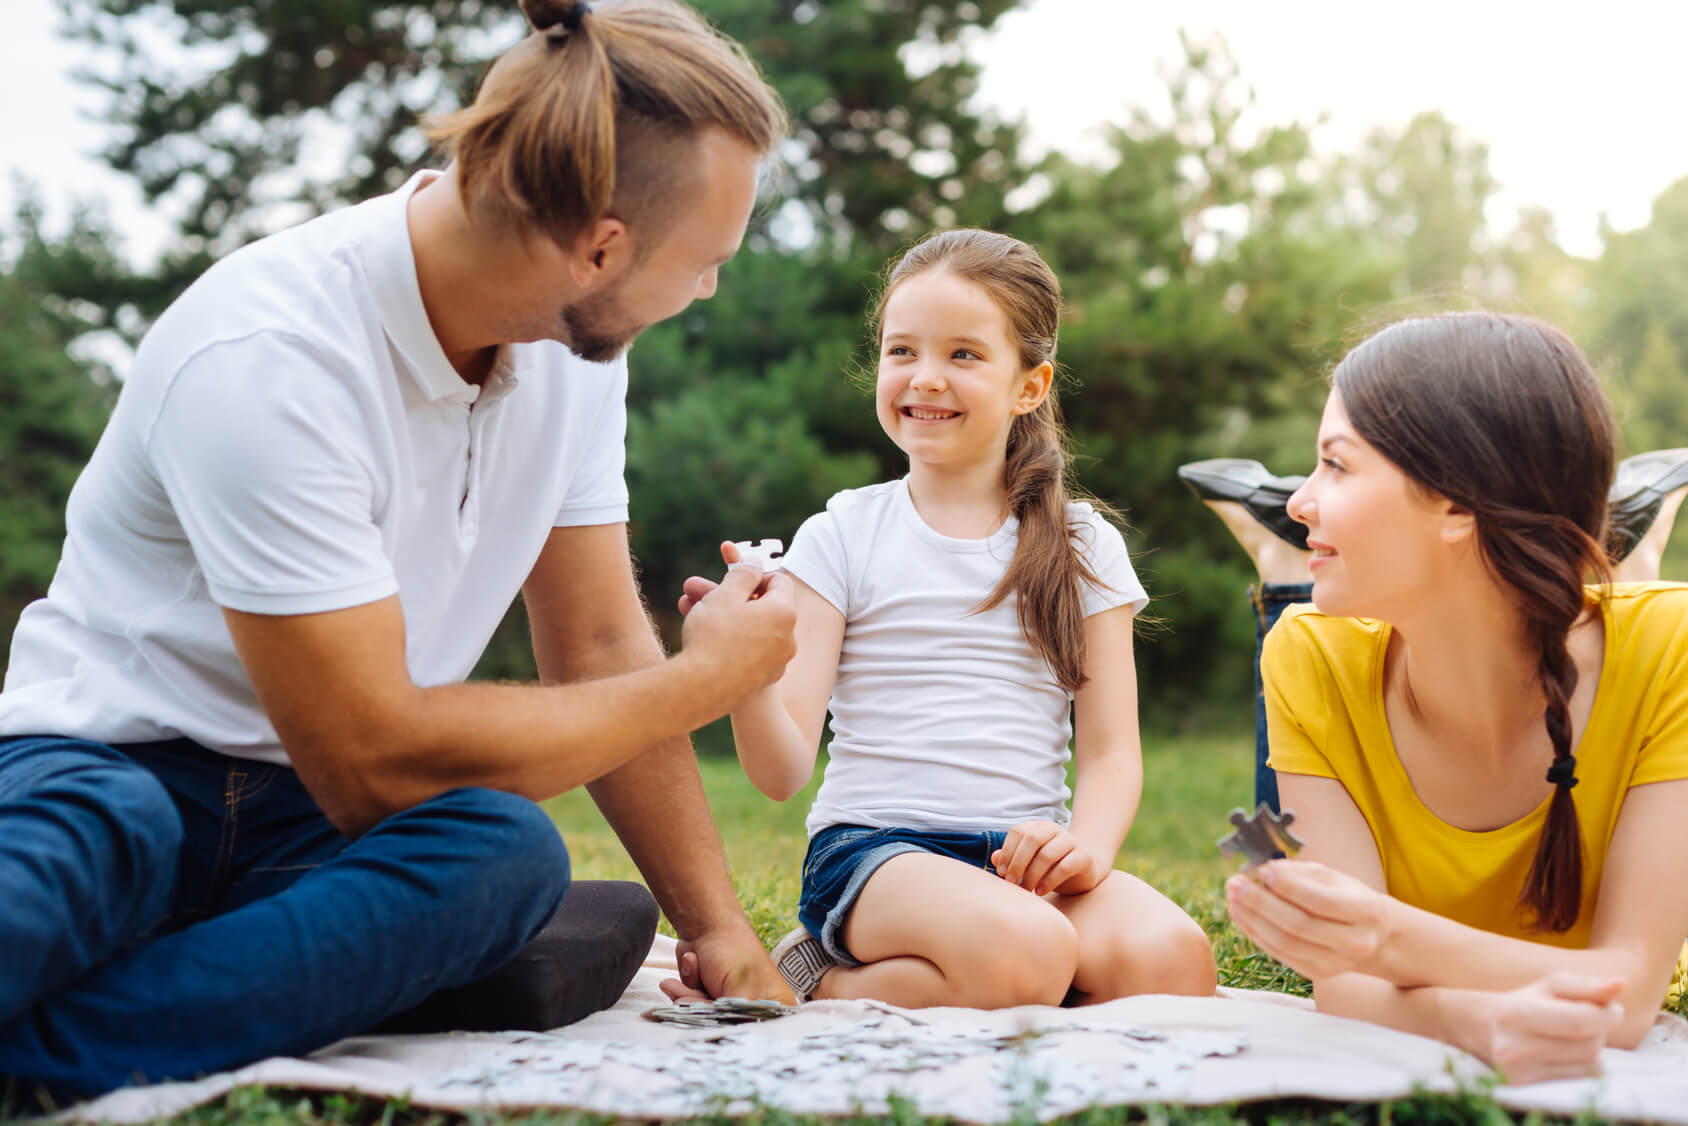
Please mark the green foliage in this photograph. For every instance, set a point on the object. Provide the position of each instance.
(878, 92)
(1423, 189)
(1639, 323)
(51, 413)
(1651, 397)
(244, 117)
(1211, 280)
(1641, 282)
(1637, 332)
(217, 104)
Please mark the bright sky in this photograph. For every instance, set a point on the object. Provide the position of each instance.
(1580, 110)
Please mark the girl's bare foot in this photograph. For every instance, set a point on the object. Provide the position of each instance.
(1275, 560)
(1641, 565)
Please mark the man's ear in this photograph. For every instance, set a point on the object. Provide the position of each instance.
(600, 252)
(1034, 388)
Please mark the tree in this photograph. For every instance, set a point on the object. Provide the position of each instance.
(52, 409)
(1423, 189)
(1639, 284)
(1638, 334)
(249, 115)
(1211, 277)
(1651, 399)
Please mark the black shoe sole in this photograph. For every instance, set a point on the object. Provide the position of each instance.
(1246, 482)
(1638, 493)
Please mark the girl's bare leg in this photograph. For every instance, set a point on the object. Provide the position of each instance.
(1642, 564)
(1132, 939)
(1275, 560)
(935, 931)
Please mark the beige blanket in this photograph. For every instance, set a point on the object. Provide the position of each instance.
(843, 1057)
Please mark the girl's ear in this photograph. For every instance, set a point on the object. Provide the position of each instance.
(1034, 388)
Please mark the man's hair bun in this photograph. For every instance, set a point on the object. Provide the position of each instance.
(544, 15)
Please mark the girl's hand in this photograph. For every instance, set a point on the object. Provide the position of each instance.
(1317, 921)
(697, 587)
(1042, 857)
(1552, 1029)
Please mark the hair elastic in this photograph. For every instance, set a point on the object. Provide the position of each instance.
(1563, 772)
(568, 22)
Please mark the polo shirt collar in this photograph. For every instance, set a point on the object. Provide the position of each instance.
(390, 267)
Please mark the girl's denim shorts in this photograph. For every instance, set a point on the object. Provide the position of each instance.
(842, 857)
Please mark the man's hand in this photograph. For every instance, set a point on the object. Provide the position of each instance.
(695, 588)
(1553, 1029)
(1042, 857)
(744, 627)
(726, 964)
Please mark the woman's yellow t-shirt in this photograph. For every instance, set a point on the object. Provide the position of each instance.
(1324, 712)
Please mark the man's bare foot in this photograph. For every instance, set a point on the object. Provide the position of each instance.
(1275, 560)
(1642, 564)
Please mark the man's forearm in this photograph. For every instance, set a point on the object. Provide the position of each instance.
(655, 801)
(533, 740)
(657, 807)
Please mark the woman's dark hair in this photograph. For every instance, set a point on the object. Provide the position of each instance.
(1503, 416)
(1047, 568)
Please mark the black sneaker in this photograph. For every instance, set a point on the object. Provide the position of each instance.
(1638, 492)
(1247, 482)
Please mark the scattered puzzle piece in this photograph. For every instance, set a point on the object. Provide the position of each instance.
(1261, 837)
(719, 1013)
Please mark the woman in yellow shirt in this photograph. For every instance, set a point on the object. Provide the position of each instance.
(1454, 681)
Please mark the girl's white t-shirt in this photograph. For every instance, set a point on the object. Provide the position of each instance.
(942, 718)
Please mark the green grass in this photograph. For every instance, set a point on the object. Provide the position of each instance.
(1192, 782)
(261, 1107)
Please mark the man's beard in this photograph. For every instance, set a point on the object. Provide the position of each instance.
(587, 334)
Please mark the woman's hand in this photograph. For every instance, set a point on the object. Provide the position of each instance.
(1551, 1029)
(1317, 921)
(1042, 857)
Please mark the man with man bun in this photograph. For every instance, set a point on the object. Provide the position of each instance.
(248, 804)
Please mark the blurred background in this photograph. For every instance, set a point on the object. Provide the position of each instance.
(1231, 193)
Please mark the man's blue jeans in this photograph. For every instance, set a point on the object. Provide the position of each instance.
(1269, 601)
(167, 911)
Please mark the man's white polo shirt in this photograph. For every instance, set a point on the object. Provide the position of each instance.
(292, 440)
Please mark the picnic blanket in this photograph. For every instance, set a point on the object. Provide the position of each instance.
(841, 1057)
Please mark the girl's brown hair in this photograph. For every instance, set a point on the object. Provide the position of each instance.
(597, 113)
(1503, 416)
(1047, 568)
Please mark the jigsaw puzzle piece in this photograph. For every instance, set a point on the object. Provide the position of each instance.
(1260, 837)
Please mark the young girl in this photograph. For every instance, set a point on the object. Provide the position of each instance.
(1431, 713)
(952, 617)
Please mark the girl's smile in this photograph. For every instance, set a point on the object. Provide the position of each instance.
(927, 414)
